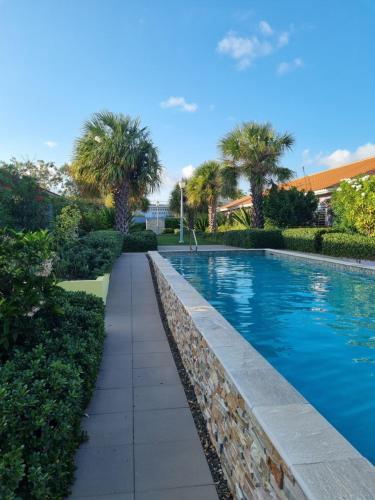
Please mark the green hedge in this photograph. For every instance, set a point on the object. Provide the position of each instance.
(90, 256)
(172, 223)
(142, 241)
(138, 226)
(354, 246)
(304, 239)
(252, 238)
(44, 389)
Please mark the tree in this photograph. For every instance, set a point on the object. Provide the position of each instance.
(290, 207)
(254, 151)
(206, 185)
(116, 155)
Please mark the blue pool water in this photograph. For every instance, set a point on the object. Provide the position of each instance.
(313, 323)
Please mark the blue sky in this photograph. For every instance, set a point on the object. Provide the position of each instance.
(191, 70)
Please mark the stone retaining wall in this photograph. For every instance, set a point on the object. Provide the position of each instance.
(272, 443)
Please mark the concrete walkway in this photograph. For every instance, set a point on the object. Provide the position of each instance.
(143, 443)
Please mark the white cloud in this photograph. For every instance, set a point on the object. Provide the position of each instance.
(287, 67)
(343, 156)
(244, 50)
(180, 103)
(339, 156)
(187, 171)
(265, 28)
(50, 144)
(283, 39)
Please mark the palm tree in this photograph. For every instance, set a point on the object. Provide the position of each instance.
(116, 155)
(209, 181)
(255, 149)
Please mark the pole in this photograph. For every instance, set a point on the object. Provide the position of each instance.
(181, 215)
(157, 217)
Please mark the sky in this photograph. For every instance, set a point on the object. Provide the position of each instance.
(191, 70)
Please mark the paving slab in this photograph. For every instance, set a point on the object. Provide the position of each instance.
(104, 470)
(170, 465)
(159, 397)
(153, 359)
(192, 493)
(167, 425)
(142, 441)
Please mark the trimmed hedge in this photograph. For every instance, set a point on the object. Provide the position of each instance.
(172, 223)
(90, 256)
(44, 388)
(252, 238)
(304, 239)
(138, 226)
(142, 241)
(354, 246)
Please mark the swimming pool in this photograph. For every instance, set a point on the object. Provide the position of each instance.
(313, 323)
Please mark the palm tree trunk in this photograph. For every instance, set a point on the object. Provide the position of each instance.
(212, 217)
(122, 210)
(257, 198)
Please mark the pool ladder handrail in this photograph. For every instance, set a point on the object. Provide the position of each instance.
(196, 242)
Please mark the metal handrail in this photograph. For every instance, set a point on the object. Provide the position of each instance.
(195, 239)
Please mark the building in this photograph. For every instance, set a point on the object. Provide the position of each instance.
(158, 210)
(323, 184)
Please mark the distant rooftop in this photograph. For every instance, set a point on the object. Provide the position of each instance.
(325, 180)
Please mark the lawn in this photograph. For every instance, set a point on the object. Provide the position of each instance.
(173, 239)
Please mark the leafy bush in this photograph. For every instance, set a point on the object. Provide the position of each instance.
(353, 204)
(23, 204)
(172, 223)
(67, 224)
(354, 246)
(96, 217)
(142, 241)
(27, 287)
(137, 226)
(90, 256)
(201, 222)
(252, 238)
(43, 392)
(290, 207)
(243, 217)
(168, 230)
(304, 239)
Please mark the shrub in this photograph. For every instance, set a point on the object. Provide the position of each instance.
(172, 223)
(43, 392)
(353, 204)
(27, 287)
(142, 241)
(290, 207)
(354, 246)
(304, 239)
(67, 224)
(243, 217)
(96, 217)
(168, 230)
(138, 226)
(252, 238)
(23, 204)
(201, 222)
(90, 256)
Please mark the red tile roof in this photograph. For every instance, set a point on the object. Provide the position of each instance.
(332, 177)
(317, 182)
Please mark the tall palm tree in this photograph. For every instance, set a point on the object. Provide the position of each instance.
(255, 149)
(209, 181)
(116, 155)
